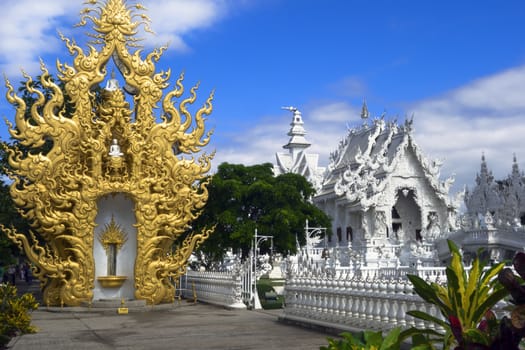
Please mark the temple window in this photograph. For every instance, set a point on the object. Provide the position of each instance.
(349, 234)
(395, 214)
(396, 226)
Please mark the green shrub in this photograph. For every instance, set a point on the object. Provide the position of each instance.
(367, 340)
(264, 288)
(14, 313)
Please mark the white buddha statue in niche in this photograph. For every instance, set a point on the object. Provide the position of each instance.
(112, 84)
(114, 149)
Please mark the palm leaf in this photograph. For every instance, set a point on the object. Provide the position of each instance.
(472, 292)
(497, 295)
(455, 292)
(491, 273)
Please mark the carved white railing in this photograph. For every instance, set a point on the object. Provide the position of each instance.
(354, 303)
(220, 288)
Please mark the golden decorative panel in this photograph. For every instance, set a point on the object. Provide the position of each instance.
(102, 144)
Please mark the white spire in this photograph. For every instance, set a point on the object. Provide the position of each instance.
(297, 140)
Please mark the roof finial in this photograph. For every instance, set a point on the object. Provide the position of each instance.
(364, 111)
(290, 108)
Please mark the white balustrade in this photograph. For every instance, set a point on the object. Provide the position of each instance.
(220, 288)
(350, 301)
(346, 300)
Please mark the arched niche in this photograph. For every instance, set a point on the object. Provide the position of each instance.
(115, 209)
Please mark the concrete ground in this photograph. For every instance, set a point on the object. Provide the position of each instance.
(179, 326)
(188, 326)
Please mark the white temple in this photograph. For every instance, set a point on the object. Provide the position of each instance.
(297, 160)
(494, 217)
(391, 216)
(389, 207)
(386, 201)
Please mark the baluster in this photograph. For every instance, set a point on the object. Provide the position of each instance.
(341, 310)
(386, 301)
(347, 296)
(324, 299)
(318, 299)
(333, 304)
(431, 310)
(402, 305)
(354, 302)
(371, 288)
(393, 296)
(363, 303)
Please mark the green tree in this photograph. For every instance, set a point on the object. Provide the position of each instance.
(9, 215)
(243, 198)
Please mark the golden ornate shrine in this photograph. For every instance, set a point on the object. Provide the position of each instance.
(103, 146)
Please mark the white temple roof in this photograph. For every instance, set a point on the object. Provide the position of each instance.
(367, 156)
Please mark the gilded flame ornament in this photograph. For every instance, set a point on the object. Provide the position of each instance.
(102, 145)
(112, 234)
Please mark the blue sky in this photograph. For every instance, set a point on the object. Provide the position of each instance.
(457, 66)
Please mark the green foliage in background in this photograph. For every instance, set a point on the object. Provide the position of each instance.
(244, 198)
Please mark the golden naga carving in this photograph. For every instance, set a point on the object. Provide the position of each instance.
(100, 145)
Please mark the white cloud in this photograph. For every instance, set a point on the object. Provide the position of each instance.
(171, 19)
(28, 27)
(486, 116)
(27, 30)
(252, 146)
(332, 112)
(325, 125)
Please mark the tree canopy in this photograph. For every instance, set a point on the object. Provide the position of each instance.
(9, 215)
(244, 198)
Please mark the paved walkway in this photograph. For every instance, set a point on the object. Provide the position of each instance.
(189, 326)
(184, 326)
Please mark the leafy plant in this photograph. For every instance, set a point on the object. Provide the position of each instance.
(367, 340)
(464, 302)
(512, 331)
(14, 313)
